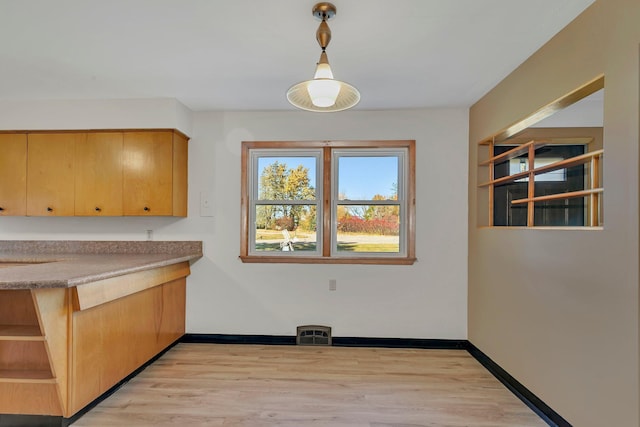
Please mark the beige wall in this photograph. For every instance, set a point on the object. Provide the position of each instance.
(558, 309)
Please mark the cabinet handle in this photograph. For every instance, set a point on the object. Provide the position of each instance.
(146, 209)
(98, 209)
(49, 209)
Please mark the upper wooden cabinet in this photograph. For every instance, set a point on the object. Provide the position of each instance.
(98, 177)
(13, 174)
(51, 172)
(155, 173)
(93, 173)
(148, 173)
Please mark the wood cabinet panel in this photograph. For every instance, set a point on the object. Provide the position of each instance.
(180, 174)
(148, 173)
(98, 175)
(143, 323)
(53, 307)
(50, 173)
(39, 397)
(173, 320)
(13, 174)
(102, 291)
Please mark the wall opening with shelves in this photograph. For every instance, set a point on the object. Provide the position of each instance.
(546, 172)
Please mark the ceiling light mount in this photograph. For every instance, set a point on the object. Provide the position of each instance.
(324, 11)
(323, 93)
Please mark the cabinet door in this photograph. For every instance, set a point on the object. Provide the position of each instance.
(50, 173)
(148, 173)
(99, 175)
(13, 174)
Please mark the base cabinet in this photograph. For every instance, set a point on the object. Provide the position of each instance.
(62, 348)
(132, 331)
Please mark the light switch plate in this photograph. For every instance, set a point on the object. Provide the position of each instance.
(206, 203)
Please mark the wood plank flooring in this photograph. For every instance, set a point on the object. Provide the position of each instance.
(251, 385)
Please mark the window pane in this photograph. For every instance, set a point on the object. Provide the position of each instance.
(368, 228)
(563, 212)
(521, 164)
(368, 177)
(285, 228)
(286, 178)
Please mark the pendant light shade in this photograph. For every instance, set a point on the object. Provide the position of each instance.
(323, 93)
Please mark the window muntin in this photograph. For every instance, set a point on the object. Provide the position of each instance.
(391, 202)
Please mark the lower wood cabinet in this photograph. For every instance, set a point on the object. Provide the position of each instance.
(62, 348)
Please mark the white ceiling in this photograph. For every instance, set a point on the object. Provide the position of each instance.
(244, 54)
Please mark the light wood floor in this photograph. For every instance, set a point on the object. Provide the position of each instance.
(248, 385)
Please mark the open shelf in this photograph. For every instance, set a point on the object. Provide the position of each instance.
(530, 148)
(559, 196)
(26, 376)
(20, 333)
(566, 163)
(24, 359)
(514, 152)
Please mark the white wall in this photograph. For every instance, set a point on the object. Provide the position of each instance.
(426, 300)
(95, 114)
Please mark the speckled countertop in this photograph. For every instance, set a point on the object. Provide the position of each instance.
(65, 263)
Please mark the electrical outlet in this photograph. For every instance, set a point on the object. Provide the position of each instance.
(332, 284)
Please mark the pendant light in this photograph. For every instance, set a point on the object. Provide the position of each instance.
(323, 93)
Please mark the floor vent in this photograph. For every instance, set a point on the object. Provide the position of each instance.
(313, 335)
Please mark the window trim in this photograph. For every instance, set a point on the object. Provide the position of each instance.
(326, 256)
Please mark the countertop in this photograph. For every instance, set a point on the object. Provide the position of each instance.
(62, 264)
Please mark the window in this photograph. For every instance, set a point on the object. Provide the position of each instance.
(328, 202)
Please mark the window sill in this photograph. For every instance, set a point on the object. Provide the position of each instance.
(327, 260)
